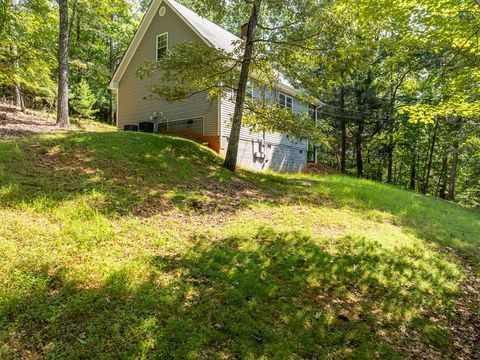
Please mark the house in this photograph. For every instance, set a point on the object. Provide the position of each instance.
(165, 24)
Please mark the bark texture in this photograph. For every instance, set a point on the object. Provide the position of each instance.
(62, 100)
(232, 150)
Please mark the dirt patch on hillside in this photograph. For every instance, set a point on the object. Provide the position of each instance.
(320, 169)
(15, 123)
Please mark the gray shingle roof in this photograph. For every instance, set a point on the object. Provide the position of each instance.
(214, 34)
(211, 33)
(217, 36)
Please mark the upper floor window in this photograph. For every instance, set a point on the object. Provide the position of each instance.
(285, 101)
(162, 46)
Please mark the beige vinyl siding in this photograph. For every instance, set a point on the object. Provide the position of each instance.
(135, 100)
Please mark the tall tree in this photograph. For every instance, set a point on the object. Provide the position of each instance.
(232, 150)
(62, 95)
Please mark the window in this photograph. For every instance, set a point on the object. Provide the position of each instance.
(285, 101)
(162, 46)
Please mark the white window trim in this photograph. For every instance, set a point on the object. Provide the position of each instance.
(156, 44)
(286, 96)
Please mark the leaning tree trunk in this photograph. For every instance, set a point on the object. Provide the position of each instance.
(62, 102)
(453, 170)
(232, 150)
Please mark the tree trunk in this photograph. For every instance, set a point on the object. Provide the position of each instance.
(442, 186)
(343, 129)
(18, 97)
(358, 147)
(17, 88)
(390, 160)
(62, 102)
(72, 19)
(112, 69)
(232, 150)
(453, 170)
(379, 175)
(413, 171)
(430, 158)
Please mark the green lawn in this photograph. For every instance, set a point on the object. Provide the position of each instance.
(126, 245)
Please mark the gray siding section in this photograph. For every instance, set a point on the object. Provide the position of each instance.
(135, 101)
(281, 152)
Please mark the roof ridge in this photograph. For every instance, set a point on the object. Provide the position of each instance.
(210, 31)
(203, 18)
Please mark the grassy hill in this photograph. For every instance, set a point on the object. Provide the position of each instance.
(126, 245)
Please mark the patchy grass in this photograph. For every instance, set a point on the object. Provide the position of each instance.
(126, 245)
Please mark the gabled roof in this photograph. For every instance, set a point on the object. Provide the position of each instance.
(212, 34)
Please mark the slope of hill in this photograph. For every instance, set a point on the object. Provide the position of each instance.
(119, 245)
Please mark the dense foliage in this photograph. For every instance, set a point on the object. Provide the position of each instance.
(399, 86)
(397, 81)
(99, 33)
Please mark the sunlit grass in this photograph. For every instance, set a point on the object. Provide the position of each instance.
(122, 245)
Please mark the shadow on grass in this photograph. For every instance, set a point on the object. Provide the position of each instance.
(123, 172)
(120, 173)
(276, 295)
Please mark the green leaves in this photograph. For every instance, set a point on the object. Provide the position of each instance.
(270, 117)
(190, 68)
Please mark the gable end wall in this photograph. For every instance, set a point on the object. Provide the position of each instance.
(135, 101)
